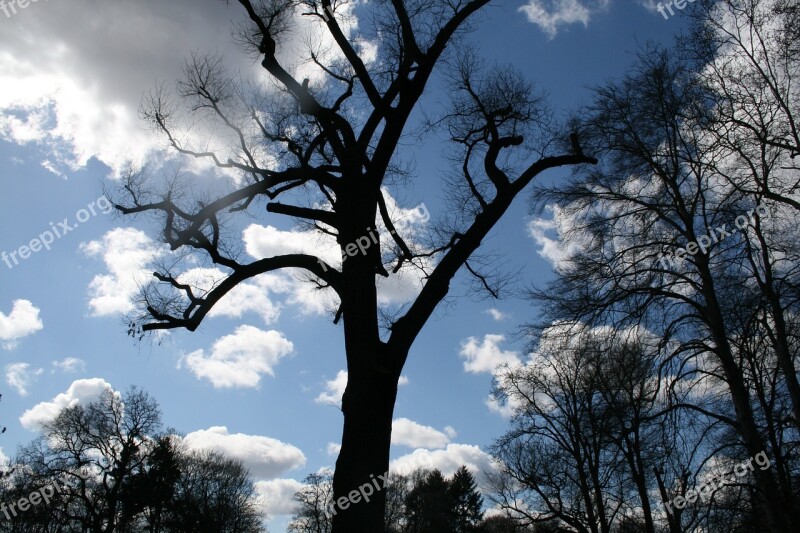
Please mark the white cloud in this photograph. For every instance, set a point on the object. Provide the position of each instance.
(48, 97)
(550, 15)
(69, 365)
(22, 321)
(486, 356)
(265, 457)
(406, 432)
(447, 460)
(558, 251)
(333, 449)
(268, 241)
(496, 314)
(277, 496)
(505, 408)
(21, 376)
(126, 253)
(334, 389)
(239, 360)
(82, 391)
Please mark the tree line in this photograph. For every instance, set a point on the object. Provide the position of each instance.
(109, 467)
(423, 501)
(648, 377)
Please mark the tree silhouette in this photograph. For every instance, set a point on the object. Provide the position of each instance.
(466, 500)
(107, 468)
(329, 150)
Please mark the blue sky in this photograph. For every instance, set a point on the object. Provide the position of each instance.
(71, 76)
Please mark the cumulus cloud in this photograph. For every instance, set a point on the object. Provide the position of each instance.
(126, 252)
(23, 320)
(20, 376)
(69, 365)
(265, 457)
(551, 15)
(406, 432)
(486, 356)
(334, 389)
(81, 392)
(447, 460)
(252, 296)
(239, 360)
(276, 496)
(47, 96)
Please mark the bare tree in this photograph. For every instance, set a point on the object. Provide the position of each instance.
(315, 499)
(336, 142)
(659, 191)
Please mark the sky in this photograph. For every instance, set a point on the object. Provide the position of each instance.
(261, 379)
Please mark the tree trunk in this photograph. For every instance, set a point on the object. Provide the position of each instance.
(771, 499)
(363, 463)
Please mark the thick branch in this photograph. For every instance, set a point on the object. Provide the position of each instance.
(241, 274)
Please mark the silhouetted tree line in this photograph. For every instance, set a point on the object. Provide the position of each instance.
(108, 467)
(668, 348)
(424, 501)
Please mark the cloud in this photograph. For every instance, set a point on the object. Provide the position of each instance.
(22, 321)
(81, 392)
(20, 376)
(486, 356)
(447, 460)
(551, 15)
(69, 365)
(265, 457)
(48, 97)
(239, 360)
(334, 389)
(333, 449)
(126, 253)
(406, 432)
(276, 496)
(496, 314)
(246, 297)
(505, 408)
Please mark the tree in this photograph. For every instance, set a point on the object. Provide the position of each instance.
(213, 493)
(466, 500)
(419, 502)
(428, 505)
(315, 499)
(332, 145)
(107, 468)
(557, 461)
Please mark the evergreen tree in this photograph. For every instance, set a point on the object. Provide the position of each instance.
(429, 507)
(466, 501)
